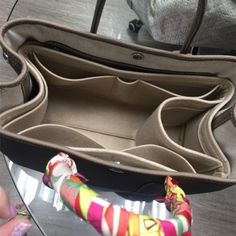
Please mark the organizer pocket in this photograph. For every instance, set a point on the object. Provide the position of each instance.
(134, 158)
(119, 110)
(105, 108)
(163, 156)
(53, 63)
(59, 134)
(174, 124)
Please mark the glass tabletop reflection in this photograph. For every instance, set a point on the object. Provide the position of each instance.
(53, 218)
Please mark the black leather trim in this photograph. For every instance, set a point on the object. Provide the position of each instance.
(35, 155)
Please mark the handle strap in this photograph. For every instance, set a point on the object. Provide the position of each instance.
(112, 220)
(97, 15)
(202, 4)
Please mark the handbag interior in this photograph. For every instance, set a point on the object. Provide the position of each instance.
(124, 115)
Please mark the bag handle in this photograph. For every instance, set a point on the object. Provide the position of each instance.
(108, 219)
(192, 32)
(201, 9)
(97, 15)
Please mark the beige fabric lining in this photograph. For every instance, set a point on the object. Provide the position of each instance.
(208, 78)
(118, 110)
(78, 68)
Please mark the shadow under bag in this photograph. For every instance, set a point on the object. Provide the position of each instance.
(128, 115)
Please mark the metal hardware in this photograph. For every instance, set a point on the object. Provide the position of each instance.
(137, 56)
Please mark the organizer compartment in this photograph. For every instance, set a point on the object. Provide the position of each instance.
(103, 106)
(174, 124)
(126, 158)
(59, 134)
(53, 63)
(144, 120)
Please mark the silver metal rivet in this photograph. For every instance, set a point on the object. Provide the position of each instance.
(137, 56)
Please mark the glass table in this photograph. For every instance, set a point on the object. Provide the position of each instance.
(53, 218)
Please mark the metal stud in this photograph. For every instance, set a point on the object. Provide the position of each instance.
(137, 56)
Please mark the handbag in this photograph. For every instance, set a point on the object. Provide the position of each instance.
(128, 115)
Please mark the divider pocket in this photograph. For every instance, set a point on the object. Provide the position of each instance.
(64, 66)
(174, 124)
(126, 159)
(38, 95)
(214, 94)
(72, 67)
(60, 134)
(162, 155)
(137, 92)
(104, 105)
(99, 107)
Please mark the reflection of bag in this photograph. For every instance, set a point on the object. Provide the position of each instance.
(170, 21)
(129, 115)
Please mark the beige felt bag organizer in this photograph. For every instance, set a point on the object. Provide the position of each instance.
(128, 115)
